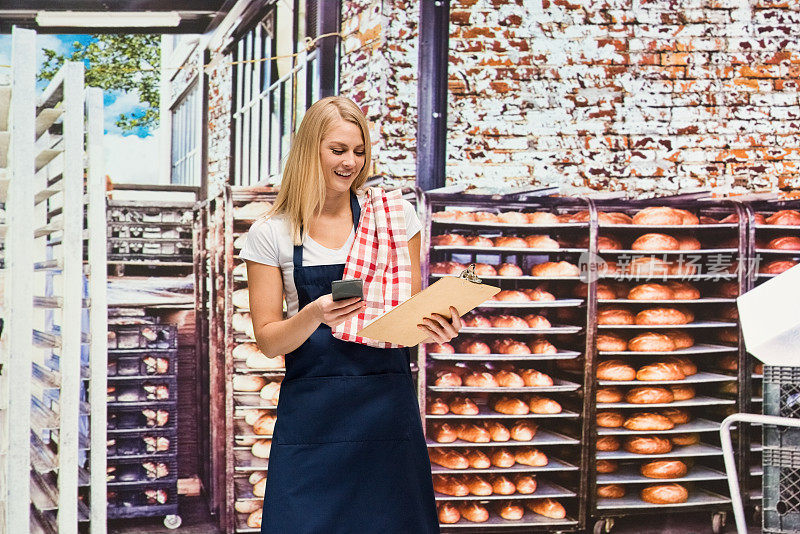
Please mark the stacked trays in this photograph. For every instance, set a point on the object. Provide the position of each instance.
(149, 232)
(255, 381)
(502, 417)
(666, 359)
(775, 247)
(142, 433)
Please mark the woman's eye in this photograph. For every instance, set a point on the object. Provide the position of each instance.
(338, 152)
(360, 154)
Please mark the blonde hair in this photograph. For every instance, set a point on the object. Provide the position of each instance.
(302, 192)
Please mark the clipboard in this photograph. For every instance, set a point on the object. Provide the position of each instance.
(464, 292)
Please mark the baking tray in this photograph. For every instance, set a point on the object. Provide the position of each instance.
(553, 464)
(544, 490)
(695, 425)
(244, 490)
(529, 520)
(242, 430)
(251, 400)
(700, 400)
(559, 303)
(657, 227)
(241, 368)
(560, 355)
(704, 300)
(793, 227)
(756, 470)
(701, 377)
(697, 497)
(542, 437)
(241, 525)
(558, 386)
(555, 329)
(244, 461)
(696, 324)
(701, 449)
(520, 278)
(499, 225)
(777, 251)
(700, 348)
(629, 474)
(632, 252)
(487, 413)
(653, 277)
(513, 250)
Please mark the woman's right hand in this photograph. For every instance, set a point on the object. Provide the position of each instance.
(333, 312)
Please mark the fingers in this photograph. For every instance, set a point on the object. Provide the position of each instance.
(456, 318)
(339, 304)
(439, 328)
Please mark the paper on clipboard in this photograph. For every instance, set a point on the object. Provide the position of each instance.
(399, 325)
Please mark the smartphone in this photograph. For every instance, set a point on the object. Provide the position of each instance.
(345, 289)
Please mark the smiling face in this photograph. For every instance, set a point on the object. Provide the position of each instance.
(342, 155)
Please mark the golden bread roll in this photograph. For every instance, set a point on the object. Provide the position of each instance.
(502, 486)
(651, 342)
(444, 433)
(665, 494)
(473, 511)
(682, 393)
(529, 456)
(448, 458)
(647, 445)
(649, 395)
(605, 242)
(511, 406)
(538, 294)
(787, 242)
(547, 508)
(271, 391)
(678, 416)
(477, 485)
(651, 292)
(777, 266)
(534, 378)
(686, 365)
(683, 290)
(463, 406)
(485, 217)
(511, 295)
(617, 217)
(542, 346)
(543, 405)
(784, 218)
(610, 491)
(510, 511)
(611, 343)
(610, 419)
(648, 266)
(241, 299)
(507, 241)
(478, 460)
(655, 241)
(254, 519)
(437, 406)
(261, 448)
(687, 242)
(497, 431)
(533, 320)
(260, 487)
(478, 379)
(509, 269)
(447, 379)
(479, 241)
(448, 513)
(448, 485)
(658, 216)
(664, 469)
(449, 240)
(508, 321)
(523, 431)
(580, 216)
(525, 484)
(648, 422)
(447, 267)
(248, 383)
(440, 348)
(660, 371)
(477, 321)
(561, 268)
(542, 217)
(445, 215)
(606, 466)
(704, 219)
(728, 362)
(246, 507)
(541, 242)
(472, 433)
(503, 458)
(661, 316)
(682, 440)
(510, 346)
(610, 315)
(609, 394)
(509, 379)
(682, 340)
(513, 217)
(615, 370)
(264, 425)
(687, 216)
(608, 443)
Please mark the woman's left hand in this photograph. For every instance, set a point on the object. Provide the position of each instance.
(440, 328)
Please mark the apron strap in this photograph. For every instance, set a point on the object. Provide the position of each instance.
(355, 208)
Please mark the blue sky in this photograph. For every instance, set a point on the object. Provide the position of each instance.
(130, 157)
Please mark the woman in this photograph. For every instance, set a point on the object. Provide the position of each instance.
(348, 453)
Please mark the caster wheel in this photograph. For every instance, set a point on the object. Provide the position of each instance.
(757, 514)
(718, 523)
(172, 521)
(603, 526)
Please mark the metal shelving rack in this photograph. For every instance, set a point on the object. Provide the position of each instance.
(764, 449)
(57, 338)
(221, 229)
(706, 478)
(560, 436)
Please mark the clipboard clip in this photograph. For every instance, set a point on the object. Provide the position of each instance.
(469, 274)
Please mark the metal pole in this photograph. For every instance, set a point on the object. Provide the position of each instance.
(434, 34)
(329, 15)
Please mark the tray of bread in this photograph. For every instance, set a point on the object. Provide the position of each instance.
(458, 487)
(664, 498)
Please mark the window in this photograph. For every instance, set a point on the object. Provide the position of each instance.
(270, 97)
(185, 159)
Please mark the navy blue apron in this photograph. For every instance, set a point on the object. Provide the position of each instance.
(348, 454)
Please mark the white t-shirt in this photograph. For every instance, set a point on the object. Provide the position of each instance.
(269, 242)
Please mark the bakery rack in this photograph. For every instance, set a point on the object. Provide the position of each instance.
(56, 468)
(223, 224)
(705, 479)
(770, 467)
(560, 435)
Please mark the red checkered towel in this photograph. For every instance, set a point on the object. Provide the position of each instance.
(380, 257)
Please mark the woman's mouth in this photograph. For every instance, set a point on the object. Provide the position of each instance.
(343, 174)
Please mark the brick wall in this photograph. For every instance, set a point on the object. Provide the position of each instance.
(219, 75)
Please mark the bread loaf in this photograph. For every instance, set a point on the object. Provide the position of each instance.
(528, 456)
(784, 218)
(655, 241)
(448, 513)
(610, 491)
(525, 484)
(686, 365)
(547, 508)
(648, 422)
(246, 507)
(650, 292)
(534, 378)
(523, 431)
(665, 494)
(609, 394)
(561, 268)
(681, 339)
(542, 217)
(506, 241)
(606, 466)
(448, 458)
(681, 393)
(472, 433)
(615, 370)
(682, 440)
(449, 240)
(649, 395)
(509, 379)
(248, 383)
(473, 511)
(611, 343)
(437, 406)
(511, 406)
(502, 486)
(261, 448)
(610, 419)
(683, 291)
(541, 242)
(510, 511)
(661, 316)
(664, 469)
(444, 433)
(542, 346)
(448, 485)
(608, 443)
(478, 460)
(478, 485)
(647, 445)
(651, 342)
(260, 487)
(479, 241)
(678, 416)
(503, 458)
(660, 371)
(254, 519)
(480, 379)
(543, 405)
(497, 431)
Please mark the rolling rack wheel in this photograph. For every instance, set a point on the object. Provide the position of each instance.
(718, 522)
(757, 510)
(172, 521)
(603, 525)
